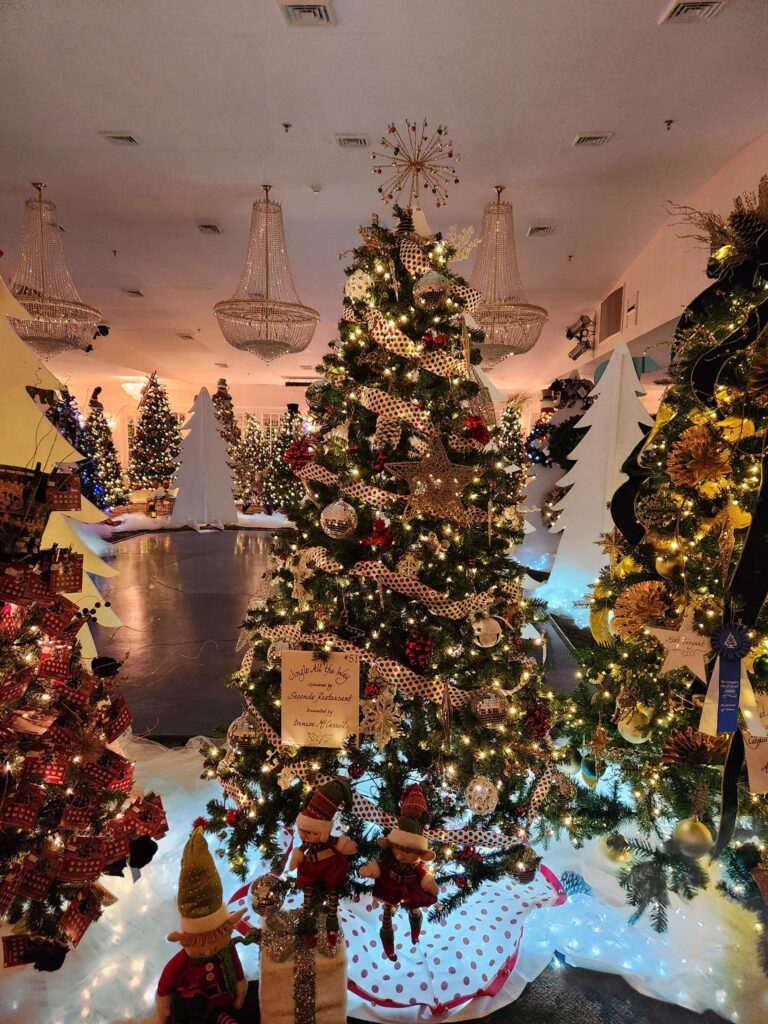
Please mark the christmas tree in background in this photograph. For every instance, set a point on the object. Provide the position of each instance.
(251, 461)
(400, 564)
(65, 414)
(66, 816)
(614, 424)
(101, 449)
(290, 445)
(225, 414)
(674, 697)
(156, 441)
(205, 478)
(511, 439)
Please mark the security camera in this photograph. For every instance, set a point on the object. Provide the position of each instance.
(577, 329)
(101, 331)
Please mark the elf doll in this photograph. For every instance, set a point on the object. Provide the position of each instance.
(401, 877)
(321, 860)
(203, 983)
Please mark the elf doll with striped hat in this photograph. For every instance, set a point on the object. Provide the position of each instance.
(401, 877)
(321, 860)
(204, 982)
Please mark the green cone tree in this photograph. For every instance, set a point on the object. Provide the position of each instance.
(156, 441)
(101, 448)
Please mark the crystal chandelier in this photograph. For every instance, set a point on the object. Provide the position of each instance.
(59, 320)
(265, 315)
(511, 325)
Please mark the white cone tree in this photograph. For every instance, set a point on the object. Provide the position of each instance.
(205, 477)
(615, 423)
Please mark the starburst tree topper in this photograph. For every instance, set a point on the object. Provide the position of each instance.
(413, 158)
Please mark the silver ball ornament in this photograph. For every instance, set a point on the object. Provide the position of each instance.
(338, 520)
(481, 795)
(431, 290)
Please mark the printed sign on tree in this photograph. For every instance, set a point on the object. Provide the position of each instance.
(320, 699)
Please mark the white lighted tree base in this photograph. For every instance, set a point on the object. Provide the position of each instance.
(204, 496)
(113, 973)
(614, 422)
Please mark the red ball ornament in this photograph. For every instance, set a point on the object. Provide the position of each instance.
(372, 690)
(460, 881)
(200, 822)
(232, 816)
(355, 771)
(538, 723)
(418, 649)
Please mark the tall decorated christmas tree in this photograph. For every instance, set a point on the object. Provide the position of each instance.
(100, 446)
(156, 441)
(674, 698)
(68, 812)
(387, 677)
(282, 488)
(225, 414)
(251, 460)
(511, 439)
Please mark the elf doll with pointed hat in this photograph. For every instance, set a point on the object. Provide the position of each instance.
(401, 877)
(321, 860)
(204, 982)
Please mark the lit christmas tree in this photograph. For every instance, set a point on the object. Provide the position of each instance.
(674, 698)
(511, 438)
(251, 461)
(399, 571)
(225, 413)
(65, 414)
(156, 440)
(282, 489)
(67, 813)
(101, 448)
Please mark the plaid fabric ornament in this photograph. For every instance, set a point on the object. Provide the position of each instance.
(81, 860)
(116, 719)
(78, 688)
(110, 771)
(56, 615)
(21, 807)
(147, 818)
(79, 810)
(48, 765)
(35, 878)
(55, 660)
(117, 847)
(84, 909)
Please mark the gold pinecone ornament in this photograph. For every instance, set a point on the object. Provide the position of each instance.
(639, 605)
(691, 747)
(697, 456)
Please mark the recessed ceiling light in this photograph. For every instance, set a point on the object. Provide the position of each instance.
(120, 138)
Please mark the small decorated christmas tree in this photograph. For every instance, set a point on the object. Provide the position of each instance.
(511, 439)
(156, 441)
(225, 414)
(101, 448)
(251, 461)
(66, 416)
(205, 478)
(282, 489)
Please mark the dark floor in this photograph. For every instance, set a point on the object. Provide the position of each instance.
(182, 596)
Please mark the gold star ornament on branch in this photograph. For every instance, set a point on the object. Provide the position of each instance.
(685, 647)
(413, 158)
(435, 485)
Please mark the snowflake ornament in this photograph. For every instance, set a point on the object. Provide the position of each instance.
(358, 285)
(382, 718)
(287, 777)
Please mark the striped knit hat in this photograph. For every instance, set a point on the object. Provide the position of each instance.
(322, 806)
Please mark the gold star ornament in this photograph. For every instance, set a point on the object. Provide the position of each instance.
(685, 647)
(435, 485)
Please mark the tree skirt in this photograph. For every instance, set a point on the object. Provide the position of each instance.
(481, 960)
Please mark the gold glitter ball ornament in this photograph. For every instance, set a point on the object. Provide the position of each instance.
(637, 606)
(338, 520)
(431, 290)
(692, 838)
(697, 456)
(481, 795)
(615, 847)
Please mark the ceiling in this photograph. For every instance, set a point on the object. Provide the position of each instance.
(206, 87)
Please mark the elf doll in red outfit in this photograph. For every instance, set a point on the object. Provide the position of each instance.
(401, 878)
(321, 860)
(204, 982)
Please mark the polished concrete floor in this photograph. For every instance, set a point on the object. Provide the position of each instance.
(181, 597)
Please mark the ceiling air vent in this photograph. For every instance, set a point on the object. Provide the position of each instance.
(686, 13)
(186, 337)
(209, 229)
(352, 141)
(540, 230)
(294, 383)
(120, 138)
(135, 293)
(307, 15)
(592, 138)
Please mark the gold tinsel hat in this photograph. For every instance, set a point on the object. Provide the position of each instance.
(200, 901)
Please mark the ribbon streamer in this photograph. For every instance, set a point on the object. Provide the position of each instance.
(623, 501)
(373, 496)
(414, 259)
(381, 403)
(729, 687)
(436, 602)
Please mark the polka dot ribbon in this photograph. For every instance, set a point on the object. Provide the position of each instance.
(385, 333)
(382, 404)
(437, 603)
(414, 259)
(374, 496)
